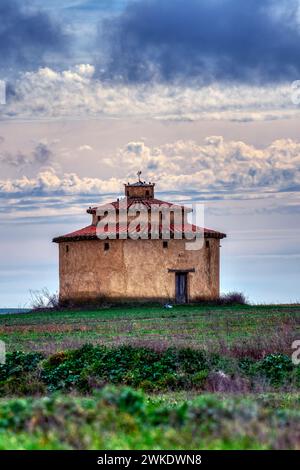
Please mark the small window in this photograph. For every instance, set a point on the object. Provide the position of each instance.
(165, 244)
(67, 249)
(207, 244)
(106, 246)
(147, 193)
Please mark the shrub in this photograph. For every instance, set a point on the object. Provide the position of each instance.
(125, 399)
(147, 386)
(233, 298)
(198, 380)
(190, 361)
(247, 366)
(58, 358)
(18, 362)
(22, 385)
(296, 376)
(128, 365)
(20, 374)
(168, 381)
(276, 368)
(43, 299)
(92, 367)
(227, 364)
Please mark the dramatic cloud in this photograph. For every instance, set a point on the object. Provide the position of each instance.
(214, 167)
(76, 92)
(217, 165)
(203, 41)
(26, 36)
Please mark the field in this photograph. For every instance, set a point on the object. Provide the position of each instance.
(191, 377)
(182, 326)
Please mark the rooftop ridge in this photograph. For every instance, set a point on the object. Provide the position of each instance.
(90, 232)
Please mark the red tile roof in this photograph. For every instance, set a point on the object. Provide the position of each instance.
(90, 232)
(131, 201)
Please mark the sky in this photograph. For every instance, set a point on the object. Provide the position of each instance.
(203, 96)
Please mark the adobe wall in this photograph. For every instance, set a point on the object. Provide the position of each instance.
(136, 270)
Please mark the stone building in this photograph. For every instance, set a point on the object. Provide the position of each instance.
(144, 254)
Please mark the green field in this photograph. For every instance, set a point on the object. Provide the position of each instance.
(201, 327)
(191, 377)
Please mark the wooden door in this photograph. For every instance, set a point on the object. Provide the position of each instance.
(181, 288)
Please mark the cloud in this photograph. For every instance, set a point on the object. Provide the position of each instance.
(230, 177)
(27, 37)
(77, 93)
(213, 168)
(96, 5)
(216, 165)
(14, 159)
(203, 41)
(85, 148)
(48, 183)
(40, 156)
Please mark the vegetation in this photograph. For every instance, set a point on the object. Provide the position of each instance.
(43, 299)
(238, 330)
(127, 419)
(190, 377)
(91, 367)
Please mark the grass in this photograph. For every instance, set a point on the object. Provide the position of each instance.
(183, 326)
(122, 418)
(125, 419)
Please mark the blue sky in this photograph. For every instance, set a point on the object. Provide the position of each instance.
(197, 94)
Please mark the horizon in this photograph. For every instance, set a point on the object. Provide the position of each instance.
(97, 90)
